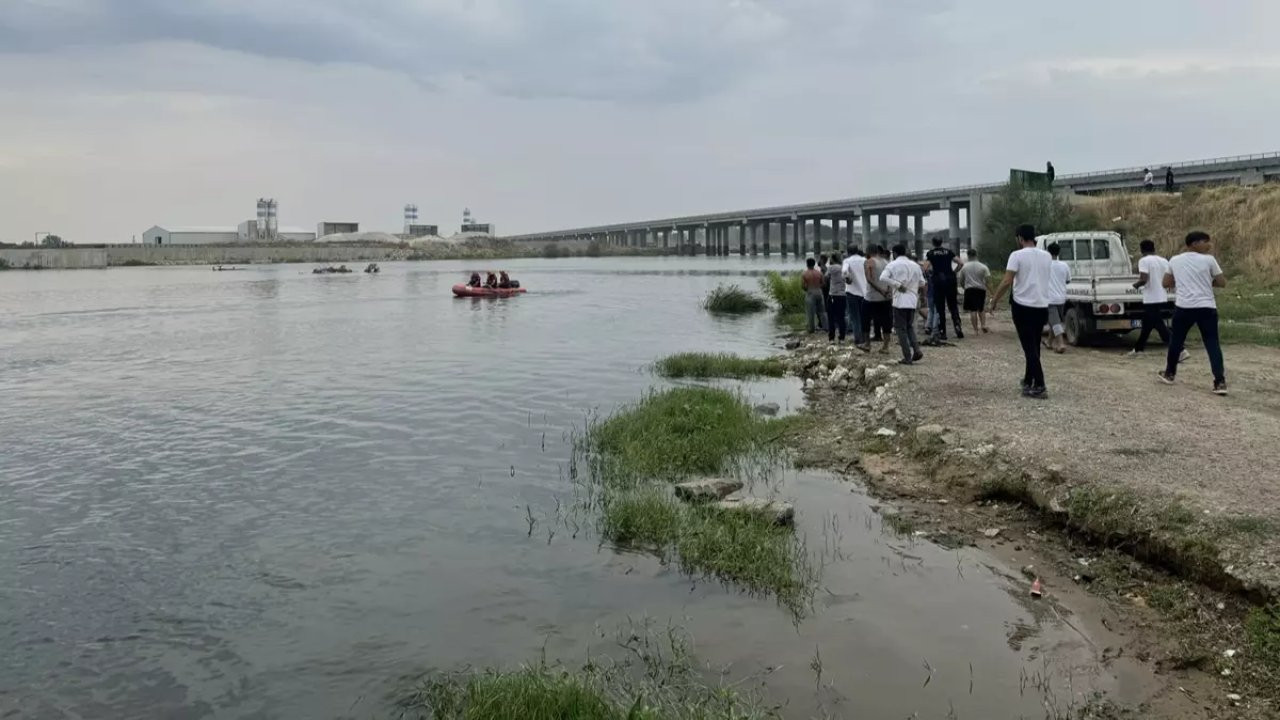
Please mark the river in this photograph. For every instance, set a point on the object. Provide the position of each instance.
(269, 494)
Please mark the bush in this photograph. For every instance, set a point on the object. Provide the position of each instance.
(785, 290)
(593, 249)
(551, 251)
(731, 299)
(1016, 205)
(4, 264)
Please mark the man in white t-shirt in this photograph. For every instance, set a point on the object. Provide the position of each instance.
(1194, 274)
(905, 279)
(855, 292)
(1028, 273)
(1059, 276)
(1155, 300)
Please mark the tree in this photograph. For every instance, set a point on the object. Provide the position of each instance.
(53, 241)
(1015, 205)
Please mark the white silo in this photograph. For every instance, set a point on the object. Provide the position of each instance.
(261, 230)
(273, 225)
(410, 218)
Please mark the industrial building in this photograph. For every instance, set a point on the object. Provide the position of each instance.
(471, 227)
(247, 232)
(337, 228)
(190, 235)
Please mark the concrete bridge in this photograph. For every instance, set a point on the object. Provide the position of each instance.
(790, 227)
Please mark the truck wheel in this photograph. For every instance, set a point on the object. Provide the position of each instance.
(1074, 327)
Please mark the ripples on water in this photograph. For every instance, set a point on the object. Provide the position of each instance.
(269, 494)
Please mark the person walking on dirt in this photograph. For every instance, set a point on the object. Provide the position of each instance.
(1155, 299)
(855, 292)
(835, 297)
(1168, 179)
(904, 277)
(1059, 276)
(973, 280)
(1194, 274)
(1148, 180)
(1027, 272)
(943, 264)
(811, 281)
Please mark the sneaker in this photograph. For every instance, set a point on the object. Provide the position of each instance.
(1165, 377)
(1037, 393)
(1134, 354)
(906, 362)
(917, 357)
(959, 334)
(1185, 356)
(1220, 388)
(985, 331)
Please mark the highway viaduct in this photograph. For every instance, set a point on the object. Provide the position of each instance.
(790, 227)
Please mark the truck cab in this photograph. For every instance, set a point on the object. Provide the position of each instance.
(1101, 299)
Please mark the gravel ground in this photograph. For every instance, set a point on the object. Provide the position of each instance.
(1109, 419)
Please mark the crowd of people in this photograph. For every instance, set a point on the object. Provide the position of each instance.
(869, 298)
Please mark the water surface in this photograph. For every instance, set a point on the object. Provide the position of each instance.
(268, 494)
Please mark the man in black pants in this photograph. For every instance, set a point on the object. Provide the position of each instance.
(943, 264)
(1194, 274)
(1028, 273)
(1155, 300)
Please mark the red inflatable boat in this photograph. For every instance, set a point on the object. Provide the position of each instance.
(468, 291)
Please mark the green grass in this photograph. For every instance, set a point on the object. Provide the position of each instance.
(679, 432)
(718, 365)
(683, 432)
(654, 678)
(785, 291)
(733, 300)
(900, 524)
(1263, 629)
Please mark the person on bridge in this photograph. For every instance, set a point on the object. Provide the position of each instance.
(1194, 274)
(1027, 272)
(855, 292)
(1059, 276)
(1168, 179)
(811, 281)
(904, 277)
(973, 277)
(943, 264)
(835, 297)
(1148, 180)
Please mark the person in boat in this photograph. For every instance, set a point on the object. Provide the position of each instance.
(474, 281)
(504, 280)
(491, 281)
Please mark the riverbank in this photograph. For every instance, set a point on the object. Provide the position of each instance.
(84, 258)
(1154, 498)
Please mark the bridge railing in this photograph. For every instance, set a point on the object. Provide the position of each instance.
(1177, 165)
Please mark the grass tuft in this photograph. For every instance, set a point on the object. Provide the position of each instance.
(1263, 629)
(683, 432)
(718, 365)
(786, 291)
(733, 300)
(679, 432)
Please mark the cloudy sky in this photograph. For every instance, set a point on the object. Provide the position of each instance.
(539, 114)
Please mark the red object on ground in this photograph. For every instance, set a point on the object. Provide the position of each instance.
(468, 291)
(1036, 589)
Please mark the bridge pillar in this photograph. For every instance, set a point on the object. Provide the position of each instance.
(953, 227)
(817, 236)
(850, 238)
(796, 232)
(882, 221)
(919, 232)
(782, 239)
(724, 241)
(866, 231)
(977, 217)
(835, 232)
(706, 240)
(764, 236)
(902, 227)
(755, 239)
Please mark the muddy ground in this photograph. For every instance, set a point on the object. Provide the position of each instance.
(1066, 486)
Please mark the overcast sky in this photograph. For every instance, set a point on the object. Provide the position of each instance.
(541, 114)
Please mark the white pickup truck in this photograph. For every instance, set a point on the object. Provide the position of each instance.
(1100, 297)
